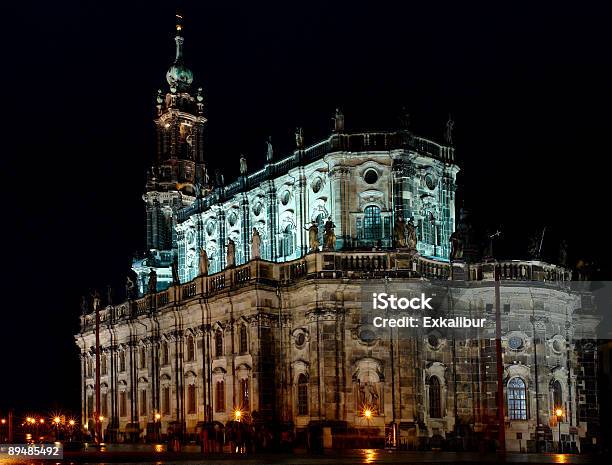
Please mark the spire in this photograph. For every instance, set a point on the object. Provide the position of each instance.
(179, 77)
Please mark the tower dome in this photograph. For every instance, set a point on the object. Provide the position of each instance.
(179, 77)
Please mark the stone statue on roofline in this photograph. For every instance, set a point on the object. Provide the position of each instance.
(231, 253)
(255, 245)
(269, 150)
(203, 262)
(152, 287)
(329, 236)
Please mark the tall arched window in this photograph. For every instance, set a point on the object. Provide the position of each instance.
(103, 368)
(517, 399)
(190, 348)
(220, 397)
(557, 395)
(302, 395)
(372, 224)
(435, 405)
(243, 339)
(191, 399)
(165, 353)
(143, 357)
(122, 361)
(218, 343)
(244, 394)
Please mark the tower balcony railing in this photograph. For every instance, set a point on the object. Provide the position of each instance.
(331, 265)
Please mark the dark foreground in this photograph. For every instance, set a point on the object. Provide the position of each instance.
(191, 456)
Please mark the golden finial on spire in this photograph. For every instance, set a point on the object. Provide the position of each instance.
(179, 22)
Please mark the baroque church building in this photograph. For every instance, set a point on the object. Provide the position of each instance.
(250, 303)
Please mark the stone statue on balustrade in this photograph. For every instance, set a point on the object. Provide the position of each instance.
(231, 254)
(329, 236)
(269, 150)
(203, 262)
(456, 242)
(411, 235)
(152, 286)
(313, 237)
(84, 308)
(96, 300)
(399, 229)
(255, 245)
(130, 288)
(243, 165)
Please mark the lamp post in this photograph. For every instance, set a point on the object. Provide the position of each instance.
(559, 414)
(157, 427)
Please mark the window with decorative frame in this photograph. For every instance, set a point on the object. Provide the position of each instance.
(122, 361)
(372, 223)
(218, 343)
(244, 394)
(143, 357)
(191, 398)
(190, 348)
(302, 394)
(517, 399)
(166, 400)
(165, 353)
(435, 398)
(220, 396)
(557, 395)
(243, 346)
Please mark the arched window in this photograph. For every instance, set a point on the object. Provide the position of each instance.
(123, 404)
(89, 366)
(286, 245)
(165, 353)
(190, 348)
(435, 405)
(220, 397)
(103, 368)
(243, 339)
(122, 361)
(517, 399)
(218, 343)
(557, 395)
(143, 357)
(244, 394)
(302, 395)
(372, 224)
(166, 400)
(191, 399)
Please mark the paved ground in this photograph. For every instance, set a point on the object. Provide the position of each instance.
(145, 454)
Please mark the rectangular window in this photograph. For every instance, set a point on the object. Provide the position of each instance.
(506, 308)
(104, 402)
(122, 362)
(220, 395)
(166, 400)
(165, 356)
(90, 406)
(191, 399)
(143, 357)
(143, 403)
(244, 394)
(103, 368)
(123, 404)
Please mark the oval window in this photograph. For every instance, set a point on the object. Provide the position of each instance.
(370, 176)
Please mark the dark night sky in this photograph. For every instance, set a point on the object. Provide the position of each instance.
(528, 84)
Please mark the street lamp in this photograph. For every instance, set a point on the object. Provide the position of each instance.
(237, 415)
(157, 426)
(559, 414)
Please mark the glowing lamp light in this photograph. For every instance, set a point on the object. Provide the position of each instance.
(101, 418)
(56, 420)
(42, 420)
(3, 421)
(157, 416)
(71, 422)
(237, 414)
(367, 413)
(559, 413)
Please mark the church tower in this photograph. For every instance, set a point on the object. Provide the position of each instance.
(178, 175)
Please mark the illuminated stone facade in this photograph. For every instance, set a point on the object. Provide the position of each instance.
(285, 338)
